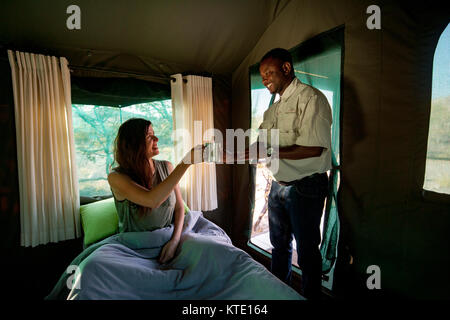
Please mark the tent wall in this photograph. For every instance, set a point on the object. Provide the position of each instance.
(385, 111)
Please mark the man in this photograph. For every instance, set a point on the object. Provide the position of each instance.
(297, 195)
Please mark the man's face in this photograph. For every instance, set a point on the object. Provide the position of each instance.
(275, 75)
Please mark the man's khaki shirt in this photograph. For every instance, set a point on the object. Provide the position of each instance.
(303, 117)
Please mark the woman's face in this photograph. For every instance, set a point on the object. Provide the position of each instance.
(152, 142)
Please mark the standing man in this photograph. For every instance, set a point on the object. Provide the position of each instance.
(297, 195)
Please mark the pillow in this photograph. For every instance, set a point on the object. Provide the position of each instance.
(99, 220)
(186, 208)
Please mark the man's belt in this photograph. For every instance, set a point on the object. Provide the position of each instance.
(290, 183)
(286, 184)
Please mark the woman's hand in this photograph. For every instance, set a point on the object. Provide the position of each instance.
(168, 251)
(195, 155)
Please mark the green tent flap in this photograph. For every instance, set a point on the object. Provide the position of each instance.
(117, 92)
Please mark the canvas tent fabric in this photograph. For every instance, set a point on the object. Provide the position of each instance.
(386, 90)
(149, 37)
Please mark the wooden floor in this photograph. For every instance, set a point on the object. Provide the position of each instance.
(263, 241)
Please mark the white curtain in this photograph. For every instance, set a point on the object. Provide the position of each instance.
(49, 195)
(192, 110)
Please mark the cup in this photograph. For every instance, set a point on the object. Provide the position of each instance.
(211, 151)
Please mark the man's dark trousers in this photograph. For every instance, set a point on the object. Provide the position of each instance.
(295, 209)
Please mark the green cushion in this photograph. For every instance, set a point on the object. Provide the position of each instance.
(99, 220)
(186, 208)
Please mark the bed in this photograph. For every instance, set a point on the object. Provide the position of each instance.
(124, 266)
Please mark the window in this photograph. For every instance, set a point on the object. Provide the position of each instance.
(321, 69)
(437, 170)
(95, 128)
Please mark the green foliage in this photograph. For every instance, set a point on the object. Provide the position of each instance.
(437, 172)
(95, 128)
(439, 132)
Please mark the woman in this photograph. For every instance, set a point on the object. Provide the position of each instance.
(145, 190)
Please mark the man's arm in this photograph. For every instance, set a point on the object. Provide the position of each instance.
(293, 152)
(296, 152)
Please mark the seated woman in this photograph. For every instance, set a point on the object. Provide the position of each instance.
(145, 190)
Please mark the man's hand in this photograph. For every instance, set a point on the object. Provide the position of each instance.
(168, 251)
(257, 151)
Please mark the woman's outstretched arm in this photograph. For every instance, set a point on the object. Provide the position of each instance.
(124, 187)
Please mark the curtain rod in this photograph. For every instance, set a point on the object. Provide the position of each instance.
(184, 74)
(122, 72)
(175, 79)
(74, 67)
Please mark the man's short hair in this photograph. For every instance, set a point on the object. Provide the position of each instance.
(280, 54)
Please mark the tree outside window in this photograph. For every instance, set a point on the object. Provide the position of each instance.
(437, 171)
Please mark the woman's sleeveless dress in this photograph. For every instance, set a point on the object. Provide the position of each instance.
(129, 219)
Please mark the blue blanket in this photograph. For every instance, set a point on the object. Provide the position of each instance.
(206, 266)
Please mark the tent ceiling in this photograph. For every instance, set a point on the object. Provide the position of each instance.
(205, 35)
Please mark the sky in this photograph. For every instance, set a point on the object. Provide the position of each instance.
(441, 66)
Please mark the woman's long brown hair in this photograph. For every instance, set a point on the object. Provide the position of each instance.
(130, 154)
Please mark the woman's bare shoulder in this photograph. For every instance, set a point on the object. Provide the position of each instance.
(115, 176)
(116, 180)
